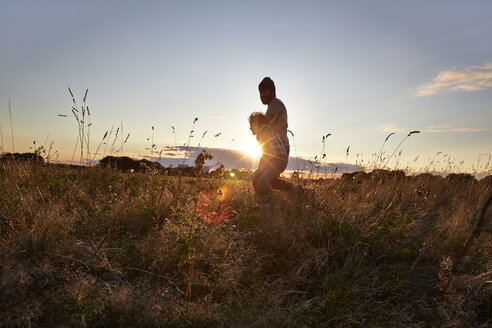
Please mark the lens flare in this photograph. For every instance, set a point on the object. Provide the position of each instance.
(214, 205)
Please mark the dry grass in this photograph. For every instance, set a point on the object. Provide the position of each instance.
(96, 247)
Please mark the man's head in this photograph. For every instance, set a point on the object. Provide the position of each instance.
(267, 90)
(256, 121)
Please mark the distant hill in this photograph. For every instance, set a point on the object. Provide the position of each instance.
(232, 158)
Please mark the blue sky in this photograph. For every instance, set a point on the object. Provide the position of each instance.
(356, 69)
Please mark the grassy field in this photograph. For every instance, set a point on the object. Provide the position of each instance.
(96, 247)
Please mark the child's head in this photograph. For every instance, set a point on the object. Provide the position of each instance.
(256, 120)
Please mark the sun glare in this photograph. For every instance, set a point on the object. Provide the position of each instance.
(253, 150)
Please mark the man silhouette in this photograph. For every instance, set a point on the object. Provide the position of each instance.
(273, 160)
(276, 113)
(270, 130)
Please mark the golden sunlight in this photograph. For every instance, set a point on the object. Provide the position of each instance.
(252, 149)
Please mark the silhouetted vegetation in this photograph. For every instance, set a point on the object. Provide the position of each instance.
(102, 247)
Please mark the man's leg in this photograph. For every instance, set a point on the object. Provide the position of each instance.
(271, 172)
(255, 176)
(280, 184)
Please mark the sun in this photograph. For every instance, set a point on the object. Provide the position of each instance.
(252, 149)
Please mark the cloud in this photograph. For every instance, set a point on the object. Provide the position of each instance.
(233, 158)
(391, 128)
(174, 152)
(460, 130)
(490, 110)
(469, 79)
(439, 127)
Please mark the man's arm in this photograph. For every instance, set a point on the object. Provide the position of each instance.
(275, 119)
(278, 119)
(262, 133)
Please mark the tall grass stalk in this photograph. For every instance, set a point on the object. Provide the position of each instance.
(431, 162)
(295, 150)
(114, 140)
(201, 139)
(82, 117)
(124, 142)
(82, 134)
(346, 157)
(122, 134)
(99, 146)
(313, 164)
(109, 137)
(486, 170)
(1, 137)
(174, 134)
(379, 158)
(200, 142)
(80, 139)
(323, 154)
(11, 128)
(485, 165)
(74, 113)
(75, 148)
(152, 145)
(213, 143)
(213, 140)
(190, 135)
(408, 135)
(86, 124)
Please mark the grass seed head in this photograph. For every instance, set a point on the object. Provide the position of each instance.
(389, 135)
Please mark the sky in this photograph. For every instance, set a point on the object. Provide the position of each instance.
(358, 70)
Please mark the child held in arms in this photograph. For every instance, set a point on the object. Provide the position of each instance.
(273, 160)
